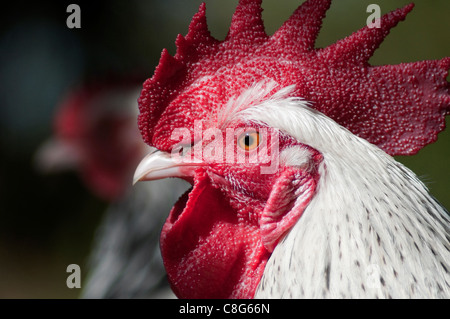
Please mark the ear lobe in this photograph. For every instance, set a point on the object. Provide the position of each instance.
(290, 196)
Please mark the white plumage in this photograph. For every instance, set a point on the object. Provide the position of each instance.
(372, 230)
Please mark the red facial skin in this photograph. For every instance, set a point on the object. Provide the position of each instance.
(216, 242)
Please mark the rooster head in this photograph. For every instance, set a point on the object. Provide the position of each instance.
(95, 133)
(250, 181)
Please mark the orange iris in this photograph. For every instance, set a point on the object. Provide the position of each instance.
(248, 140)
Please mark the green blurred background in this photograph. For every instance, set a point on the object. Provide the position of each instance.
(48, 222)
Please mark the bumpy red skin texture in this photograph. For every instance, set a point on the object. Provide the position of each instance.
(400, 108)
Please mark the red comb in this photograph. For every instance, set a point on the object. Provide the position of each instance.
(401, 108)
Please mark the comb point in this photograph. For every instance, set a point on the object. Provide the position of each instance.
(247, 21)
(299, 33)
(360, 46)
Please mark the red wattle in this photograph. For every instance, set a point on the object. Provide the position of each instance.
(207, 250)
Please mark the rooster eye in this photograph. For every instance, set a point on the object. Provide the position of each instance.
(248, 140)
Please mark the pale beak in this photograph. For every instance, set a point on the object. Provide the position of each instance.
(56, 155)
(158, 165)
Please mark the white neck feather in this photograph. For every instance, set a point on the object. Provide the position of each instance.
(371, 230)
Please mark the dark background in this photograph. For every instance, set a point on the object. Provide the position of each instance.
(47, 221)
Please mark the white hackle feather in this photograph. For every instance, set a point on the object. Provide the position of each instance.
(372, 230)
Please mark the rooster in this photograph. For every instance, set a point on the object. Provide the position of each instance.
(288, 149)
(97, 135)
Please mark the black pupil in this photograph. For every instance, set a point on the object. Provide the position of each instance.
(248, 140)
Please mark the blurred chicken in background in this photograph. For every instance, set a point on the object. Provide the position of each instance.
(96, 134)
